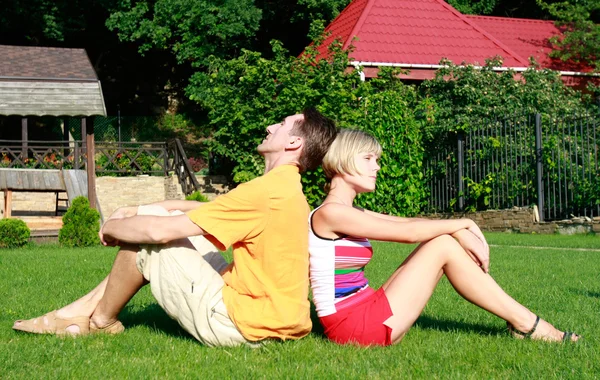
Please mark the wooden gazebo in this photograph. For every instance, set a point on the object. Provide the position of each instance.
(60, 82)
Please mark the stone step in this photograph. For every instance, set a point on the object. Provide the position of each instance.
(213, 185)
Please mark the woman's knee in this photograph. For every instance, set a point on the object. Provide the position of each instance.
(443, 245)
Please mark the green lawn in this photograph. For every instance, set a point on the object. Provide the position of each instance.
(452, 339)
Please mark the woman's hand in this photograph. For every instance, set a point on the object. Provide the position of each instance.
(123, 212)
(475, 247)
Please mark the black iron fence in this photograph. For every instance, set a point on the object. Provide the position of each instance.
(521, 160)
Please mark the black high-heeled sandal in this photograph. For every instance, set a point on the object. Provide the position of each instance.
(567, 335)
(526, 335)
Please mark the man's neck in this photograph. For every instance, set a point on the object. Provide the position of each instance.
(272, 163)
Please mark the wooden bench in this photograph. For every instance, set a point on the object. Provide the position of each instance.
(73, 182)
(29, 180)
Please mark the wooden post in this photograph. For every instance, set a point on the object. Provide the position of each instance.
(24, 139)
(66, 150)
(7, 203)
(91, 164)
(83, 132)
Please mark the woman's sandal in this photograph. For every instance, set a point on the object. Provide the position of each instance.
(567, 335)
(53, 325)
(112, 329)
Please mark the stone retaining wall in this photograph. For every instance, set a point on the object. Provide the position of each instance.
(524, 220)
(113, 192)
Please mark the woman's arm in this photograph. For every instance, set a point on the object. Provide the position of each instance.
(389, 217)
(343, 220)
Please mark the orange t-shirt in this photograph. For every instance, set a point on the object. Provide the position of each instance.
(266, 285)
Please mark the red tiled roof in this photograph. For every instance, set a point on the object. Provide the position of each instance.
(415, 32)
(527, 37)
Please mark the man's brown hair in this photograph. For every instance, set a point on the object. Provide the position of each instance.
(318, 132)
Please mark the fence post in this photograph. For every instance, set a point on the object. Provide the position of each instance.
(539, 166)
(76, 155)
(461, 160)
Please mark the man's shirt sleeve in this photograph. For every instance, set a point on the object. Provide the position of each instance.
(239, 215)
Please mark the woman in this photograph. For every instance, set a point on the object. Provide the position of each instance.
(351, 311)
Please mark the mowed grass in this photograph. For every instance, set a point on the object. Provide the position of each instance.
(452, 338)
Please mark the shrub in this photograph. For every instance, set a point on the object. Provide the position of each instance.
(197, 196)
(81, 225)
(197, 164)
(13, 233)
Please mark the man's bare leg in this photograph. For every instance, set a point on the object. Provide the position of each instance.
(124, 281)
(119, 287)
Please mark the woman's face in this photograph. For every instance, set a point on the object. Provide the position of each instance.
(367, 166)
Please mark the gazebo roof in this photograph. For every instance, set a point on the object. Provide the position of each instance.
(40, 81)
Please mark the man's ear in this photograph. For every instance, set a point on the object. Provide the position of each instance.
(295, 143)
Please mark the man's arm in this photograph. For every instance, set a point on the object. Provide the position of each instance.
(170, 205)
(181, 205)
(147, 229)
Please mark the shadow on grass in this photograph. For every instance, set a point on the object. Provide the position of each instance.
(154, 317)
(317, 328)
(426, 322)
(586, 293)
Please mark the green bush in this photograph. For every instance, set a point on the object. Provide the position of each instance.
(13, 233)
(197, 196)
(81, 225)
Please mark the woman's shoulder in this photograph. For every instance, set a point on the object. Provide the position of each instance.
(334, 208)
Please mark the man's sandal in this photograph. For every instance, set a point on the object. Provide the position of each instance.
(53, 325)
(567, 335)
(112, 329)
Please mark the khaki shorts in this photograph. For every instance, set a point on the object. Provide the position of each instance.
(187, 284)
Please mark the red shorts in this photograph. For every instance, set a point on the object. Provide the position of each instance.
(362, 323)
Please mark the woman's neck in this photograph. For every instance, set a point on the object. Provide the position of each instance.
(341, 192)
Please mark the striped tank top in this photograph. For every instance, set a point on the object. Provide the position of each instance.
(337, 277)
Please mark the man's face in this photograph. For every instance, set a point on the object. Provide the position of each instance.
(278, 135)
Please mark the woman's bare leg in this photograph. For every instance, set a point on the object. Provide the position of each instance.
(412, 285)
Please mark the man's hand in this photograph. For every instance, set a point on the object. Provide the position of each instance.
(106, 239)
(475, 247)
(120, 213)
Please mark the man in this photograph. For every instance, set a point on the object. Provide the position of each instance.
(262, 294)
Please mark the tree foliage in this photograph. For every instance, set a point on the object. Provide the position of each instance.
(247, 94)
(581, 41)
(481, 7)
(192, 30)
(461, 96)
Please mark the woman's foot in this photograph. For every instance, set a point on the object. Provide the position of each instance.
(542, 330)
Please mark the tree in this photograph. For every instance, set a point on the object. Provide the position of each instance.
(581, 41)
(191, 30)
(481, 7)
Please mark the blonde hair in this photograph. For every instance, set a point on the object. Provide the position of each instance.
(340, 156)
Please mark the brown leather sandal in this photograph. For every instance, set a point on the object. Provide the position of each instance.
(53, 325)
